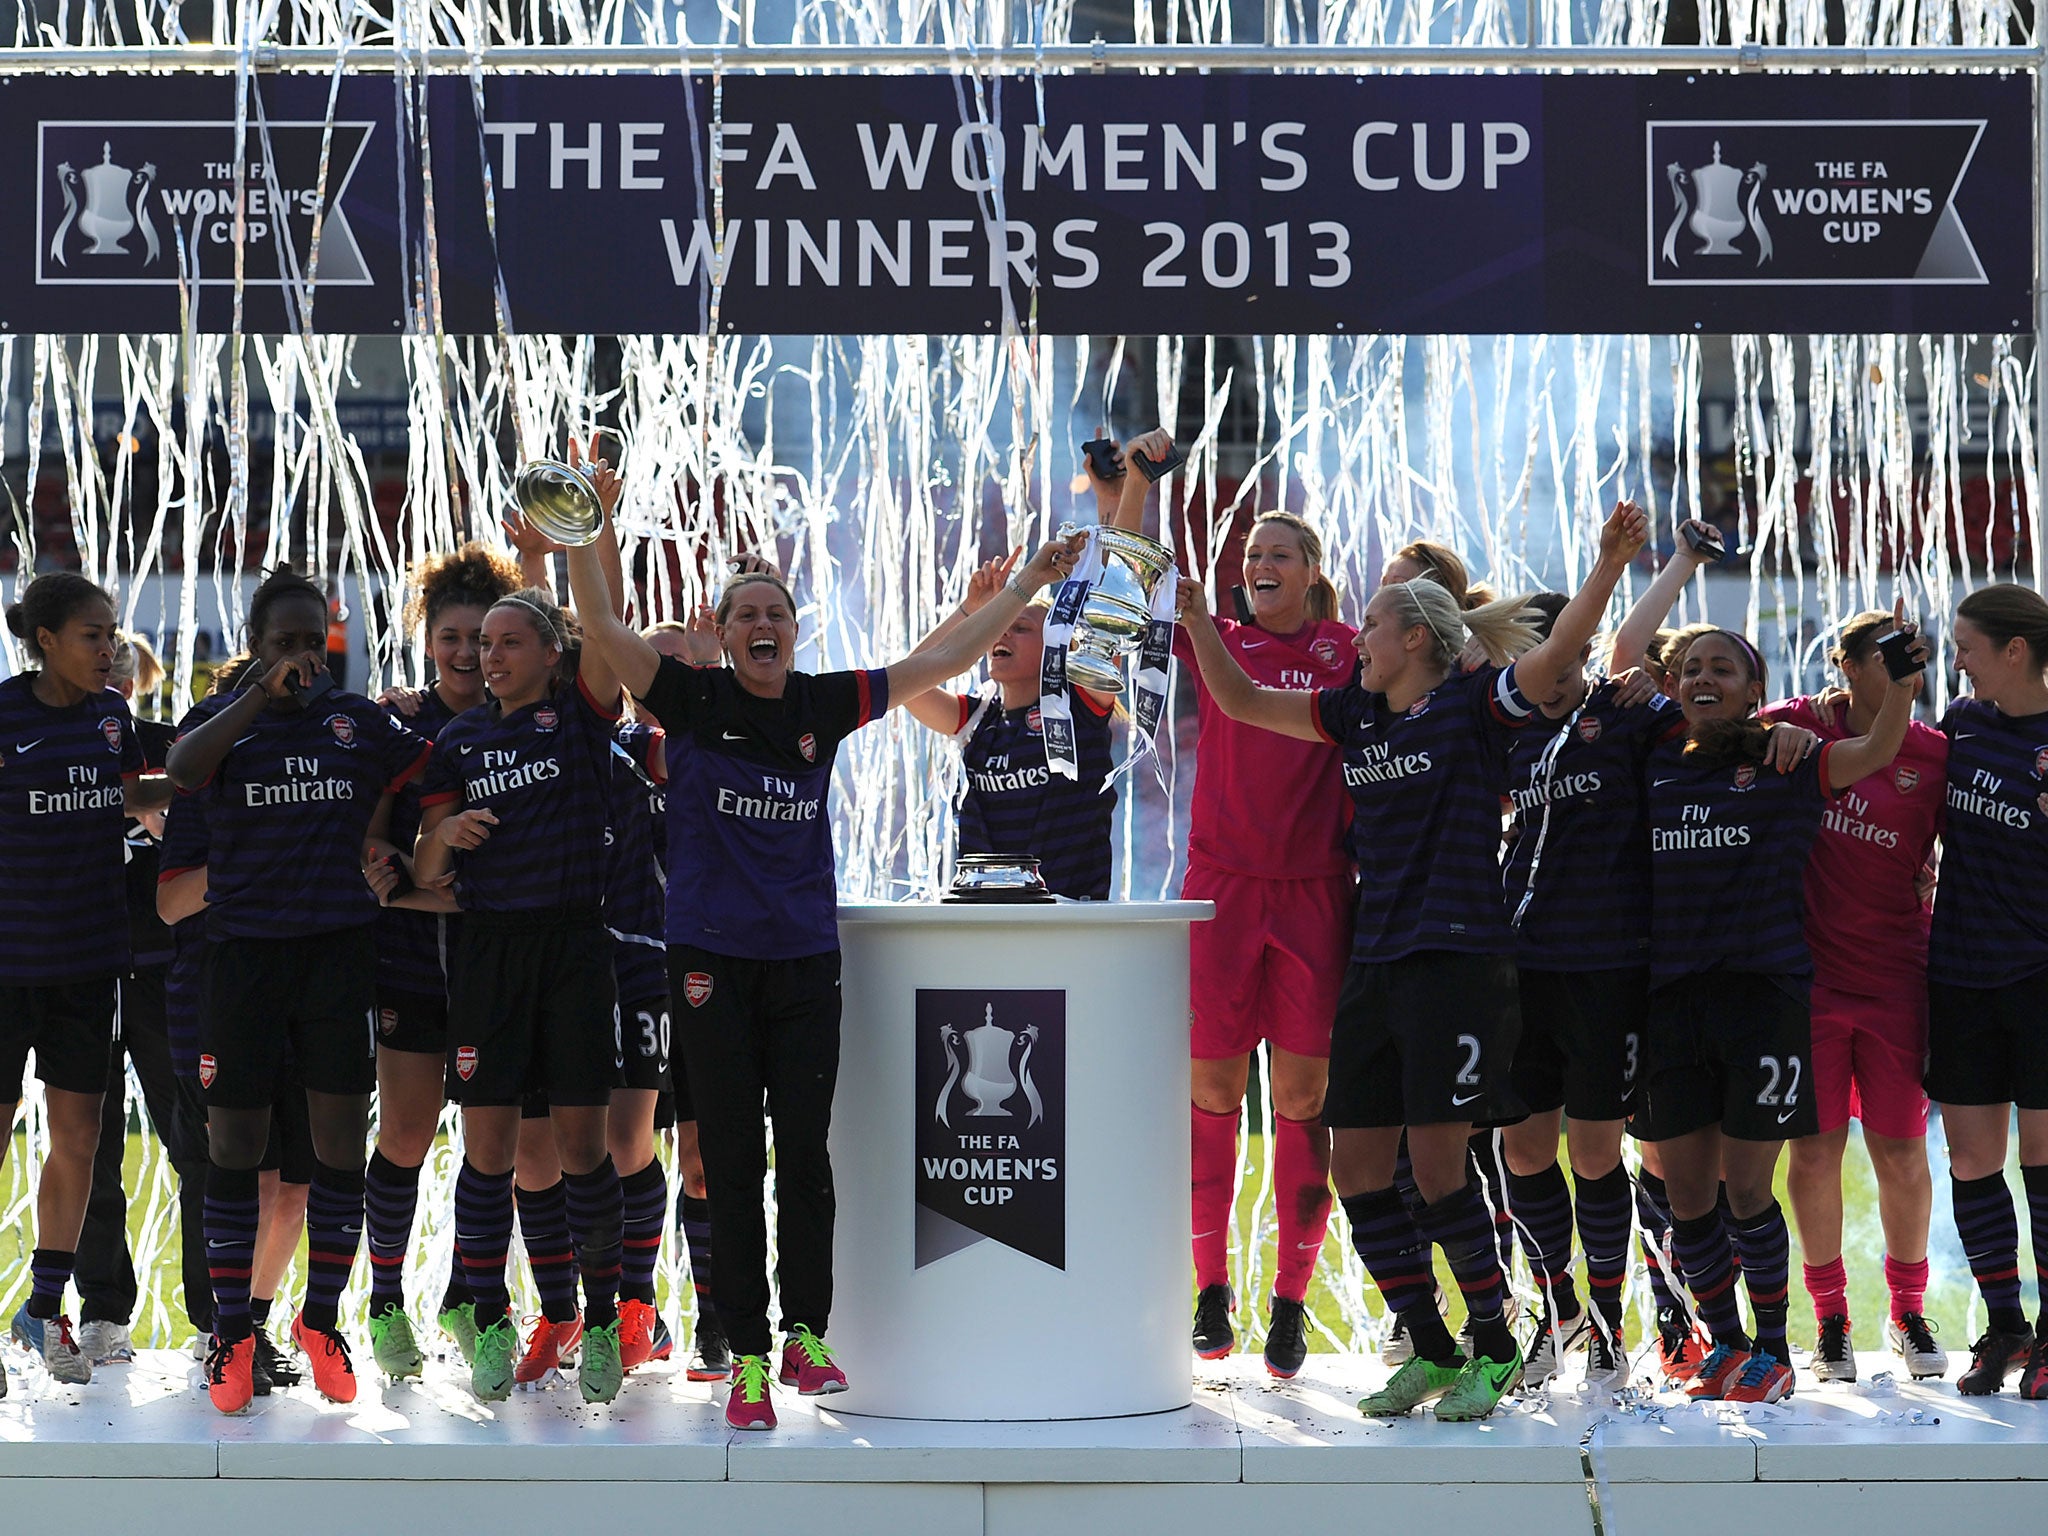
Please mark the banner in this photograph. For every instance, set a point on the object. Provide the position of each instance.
(1179, 204)
(991, 1122)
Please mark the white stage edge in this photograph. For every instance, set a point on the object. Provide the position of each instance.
(141, 1451)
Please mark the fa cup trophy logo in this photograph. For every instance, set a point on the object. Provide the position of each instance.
(1727, 208)
(986, 1075)
(116, 203)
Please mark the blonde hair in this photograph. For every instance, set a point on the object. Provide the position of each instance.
(1321, 602)
(1441, 564)
(136, 661)
(1504, 628)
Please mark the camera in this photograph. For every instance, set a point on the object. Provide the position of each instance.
(1897, 650)
(1102, 461)
(307, 693)
(1704, 542)
(1166, 466)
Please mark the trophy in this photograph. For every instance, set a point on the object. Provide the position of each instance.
(559, 500)
(978, 1062)
(997, 877)
(1118, 608)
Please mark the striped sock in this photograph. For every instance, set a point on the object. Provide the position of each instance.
(1301, 1195)
(644, 1213)
(544, 1232)
(391, 1195)
(1828, 1285)
(594, 1211)
(1214, 1176)
(1707, 1260)
(457, 1290)
(334, 1231)
(49, 1271)
(1908, 1285)
(694, 1217)
(1764, 1245)
(1541, 1204)
(2035, 1178)
(230, 1246)
(1396, 1257)
(1653, 1233)
(1603, 1235)
(1990, 1232)
(483, 1228)
(1460, 1225)
(1487, 1173)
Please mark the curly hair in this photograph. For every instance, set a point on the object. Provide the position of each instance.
(474, 576)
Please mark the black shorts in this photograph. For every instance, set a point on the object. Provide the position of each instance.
(1582, 1041)
(70, 1027)
(643, 1035)
(316, 996)
(1732, 1049)
(1424, 1040)
(1988, 1045)
(289, 1152)
(532, 1008)
(412, 1021)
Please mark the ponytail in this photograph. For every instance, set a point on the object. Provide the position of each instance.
(1503, 629)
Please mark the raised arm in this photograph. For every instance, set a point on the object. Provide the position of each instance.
(931, 665)
(1860, 756)
(625, 657)
(1135, 488)
(1642, 622)
(1540, 670)
(1287, 711)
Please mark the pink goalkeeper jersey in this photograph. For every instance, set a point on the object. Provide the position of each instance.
(1864, 920)
(1266, 804)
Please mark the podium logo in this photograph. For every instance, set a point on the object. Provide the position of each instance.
(991, 1122)
(1746, 203)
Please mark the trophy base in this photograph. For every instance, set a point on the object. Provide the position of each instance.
(1094, 673)
(1010, 898)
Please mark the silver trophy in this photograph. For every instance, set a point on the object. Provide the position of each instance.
(559, 500)
(1114, 615)
(997, 877)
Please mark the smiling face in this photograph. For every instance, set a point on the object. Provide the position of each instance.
(1014, 659)
(1716, 682)
(80, 653)
(1278, 575)
(455, 639)
(1388, 650)
(293, 625)
(1994, 670)
(757, 631)
(518, 662)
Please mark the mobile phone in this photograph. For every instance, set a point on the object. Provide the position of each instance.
(1241, 605)
(405, 886)
(306, 693)
(1707, 543)
(1896, 649)
(1101, 455)
(1166, 466)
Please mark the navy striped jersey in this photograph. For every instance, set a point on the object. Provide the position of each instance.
(1011, 802)
(1577, 872)
(545, 771)
(61, 829)
(149, 941)
(1728, 850)
(185, 846)
(288, 809)
(1991, 908)
(413, 947)
(1425, 811)
(633, 900)
(750, 865)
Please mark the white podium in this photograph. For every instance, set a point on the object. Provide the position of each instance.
(1010, 1145)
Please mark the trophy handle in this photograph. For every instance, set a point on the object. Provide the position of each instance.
(1029, 1035)
(950, 1039)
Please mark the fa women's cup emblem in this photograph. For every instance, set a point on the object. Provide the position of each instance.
(116, 205)
(1720, 204)
(980, 1067)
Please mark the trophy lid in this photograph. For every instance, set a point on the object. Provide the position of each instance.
(560, 501)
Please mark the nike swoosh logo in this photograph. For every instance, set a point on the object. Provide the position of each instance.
(1960, 736)
(1458, 1103)
(1657, 783)
(1498, 1376)
(1250, 645)
(29, 746)
(246, 739)
(729, 736)
(466, 750)
(1787, 1116)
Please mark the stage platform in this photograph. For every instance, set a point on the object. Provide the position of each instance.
(141, 1451)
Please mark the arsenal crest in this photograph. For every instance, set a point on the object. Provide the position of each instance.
(545, 718)
(465, 1062)
(1419, 708)
(2041, 764)
(1033, 723)
(1589, 728)
(1904, 779)
(1745, 776)
(1324, 651)
(209, 1069)
(808, 745)
(344, 729)
(111, 729)
(696, 989)
(387, 1021)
